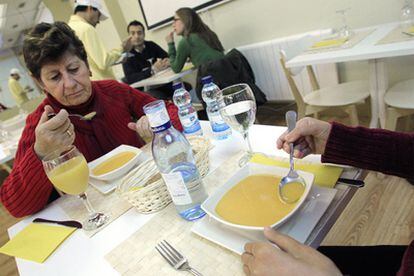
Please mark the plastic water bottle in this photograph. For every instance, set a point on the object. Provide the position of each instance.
(186, 112)
(174, 158)
(210, 93)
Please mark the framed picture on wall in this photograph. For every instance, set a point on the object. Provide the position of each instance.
(158, 13)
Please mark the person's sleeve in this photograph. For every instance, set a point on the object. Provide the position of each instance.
(131, 74)
(27, 189)
(160, 53)
(178, 57)
(380, 150)
(138, 99)
(97, 52)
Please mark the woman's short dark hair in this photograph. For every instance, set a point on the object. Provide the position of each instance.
(47, 43)
(135, 23)
(193, 24)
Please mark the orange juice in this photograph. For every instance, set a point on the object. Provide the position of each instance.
(113, 163)
(254, 201)
(71, 177)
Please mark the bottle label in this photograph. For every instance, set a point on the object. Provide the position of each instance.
(217, 122)
(190, 123)
(159, 121)
(177, 188)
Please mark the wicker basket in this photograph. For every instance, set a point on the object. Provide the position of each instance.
(144, 187)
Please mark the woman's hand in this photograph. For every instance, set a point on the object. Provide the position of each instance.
(293, 258)
(142, 127)
(53, 134)
(170, 37)
(309, 136)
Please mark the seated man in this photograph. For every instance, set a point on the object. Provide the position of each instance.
(145, 57)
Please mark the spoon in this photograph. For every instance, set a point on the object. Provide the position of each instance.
(86, 117)
(292, 179)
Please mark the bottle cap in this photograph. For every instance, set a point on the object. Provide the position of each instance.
(207, 79)
(177, 85)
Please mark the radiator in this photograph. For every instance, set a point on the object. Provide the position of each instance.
(264, 60)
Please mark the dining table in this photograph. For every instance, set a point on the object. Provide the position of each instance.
(164, 76)
(375, 50)
(83, 255)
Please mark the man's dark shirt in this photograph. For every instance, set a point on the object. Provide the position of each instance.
(137, 68)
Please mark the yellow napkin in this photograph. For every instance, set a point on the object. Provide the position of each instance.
(325, 175)
(36, 242)
(187, 66)
(410, 30)
(329, 43)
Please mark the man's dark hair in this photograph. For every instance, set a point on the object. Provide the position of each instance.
(135, 23)
(48, 43)
(83, 8)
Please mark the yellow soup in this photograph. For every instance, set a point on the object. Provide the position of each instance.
(71, 177)
(254, 201)
(113, 163)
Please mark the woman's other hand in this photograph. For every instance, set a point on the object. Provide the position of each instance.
(309, 136)
(293, 258)
(170, 37)
(142, 127)
(53, 134)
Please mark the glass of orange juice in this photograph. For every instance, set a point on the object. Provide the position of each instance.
(69, 172)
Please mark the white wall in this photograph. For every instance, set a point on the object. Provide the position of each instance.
(8, 62)
(241, 22)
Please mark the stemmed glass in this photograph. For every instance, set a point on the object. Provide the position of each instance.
(69, 172)
(407, 15)
(344, 31)
(238, 109)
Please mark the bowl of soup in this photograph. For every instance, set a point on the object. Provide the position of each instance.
(250, 199)
(116, 163)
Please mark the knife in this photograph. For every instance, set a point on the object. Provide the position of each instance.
(69, 223)
(352, 182)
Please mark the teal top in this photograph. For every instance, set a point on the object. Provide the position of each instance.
(193, 47)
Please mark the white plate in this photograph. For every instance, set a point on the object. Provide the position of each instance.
(121, 171)
(107, 186)
(209, 206)
(299, 226)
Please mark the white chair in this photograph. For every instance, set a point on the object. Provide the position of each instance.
(344, 95)
(400, 102)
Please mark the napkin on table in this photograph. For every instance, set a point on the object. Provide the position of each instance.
(329, 43)
(325, 175)
(36, 242)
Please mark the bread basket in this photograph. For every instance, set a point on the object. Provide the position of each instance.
(144, 187)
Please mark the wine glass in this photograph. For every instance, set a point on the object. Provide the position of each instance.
(238, 109)
(344, 31)
(407, 15)
(69, 172)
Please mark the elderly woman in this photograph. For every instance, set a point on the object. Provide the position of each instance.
(57, 61)
(199, 42)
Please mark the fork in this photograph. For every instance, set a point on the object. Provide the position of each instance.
(174, 258)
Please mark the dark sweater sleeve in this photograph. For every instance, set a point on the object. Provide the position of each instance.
(133, 74)
(27, 189)
(372, 149)
(159, 52)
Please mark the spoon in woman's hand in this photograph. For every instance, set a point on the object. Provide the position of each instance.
(292, 186)
(86, 117)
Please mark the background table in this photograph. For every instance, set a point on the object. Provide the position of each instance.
(80, 255)
(375, 54)
(162, 77)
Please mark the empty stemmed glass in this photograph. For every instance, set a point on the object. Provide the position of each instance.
(68, 171)
(407, 15)
(344, 31)
(238, 109)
